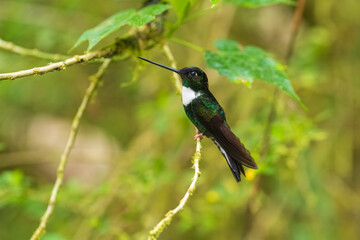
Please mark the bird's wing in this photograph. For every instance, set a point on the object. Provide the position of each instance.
(215, 123)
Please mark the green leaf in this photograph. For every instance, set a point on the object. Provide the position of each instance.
(94, 35)
(147, 14)
(247, 64)
(113, 23)
(213, 2)
(181, 7)
(258, 3)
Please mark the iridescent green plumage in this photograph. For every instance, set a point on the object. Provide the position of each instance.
(205, 106)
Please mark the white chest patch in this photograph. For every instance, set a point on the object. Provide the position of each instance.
(188, 95)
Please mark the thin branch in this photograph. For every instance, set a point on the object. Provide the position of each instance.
(31, 52)
(135, 75)
(58, 65)
(159, 228)
(187, 44)
(272, 114)
(94, 84)
(170, 56)
(295, 28)
(265, 144)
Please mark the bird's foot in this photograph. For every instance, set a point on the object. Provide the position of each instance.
(199, 135)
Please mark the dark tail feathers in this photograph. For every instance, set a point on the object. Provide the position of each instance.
(237, 160)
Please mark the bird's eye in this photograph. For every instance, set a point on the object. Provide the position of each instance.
(193, 74)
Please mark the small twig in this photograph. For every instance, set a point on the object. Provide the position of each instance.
(187, 44)
(30, 52)
(203, 12)
(94, 83)
(58, 65)
(265, 144)
(295, 28)
(135, 76)
(170, 56)
(159, 228)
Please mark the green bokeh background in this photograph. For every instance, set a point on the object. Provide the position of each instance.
(131, 162)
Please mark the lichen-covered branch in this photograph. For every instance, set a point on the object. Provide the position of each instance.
(159, 228)
(30, 52)
(94, 84)
(58, 65)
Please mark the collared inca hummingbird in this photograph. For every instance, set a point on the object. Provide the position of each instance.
(208, 116)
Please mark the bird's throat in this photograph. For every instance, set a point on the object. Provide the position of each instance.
(188, 95)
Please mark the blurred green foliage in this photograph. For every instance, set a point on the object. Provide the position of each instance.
(131, 162)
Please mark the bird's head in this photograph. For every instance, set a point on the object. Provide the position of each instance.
(192, 77)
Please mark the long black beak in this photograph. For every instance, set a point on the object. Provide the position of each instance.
(160, 65)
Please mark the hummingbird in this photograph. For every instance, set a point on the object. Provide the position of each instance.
(204, 111)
